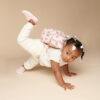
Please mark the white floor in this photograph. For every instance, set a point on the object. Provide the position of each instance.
(40, 83)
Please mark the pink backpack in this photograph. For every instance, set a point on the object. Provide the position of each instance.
(53, 38)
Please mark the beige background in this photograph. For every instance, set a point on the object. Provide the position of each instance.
(74, 17)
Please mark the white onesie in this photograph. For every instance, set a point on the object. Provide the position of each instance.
(40, 52)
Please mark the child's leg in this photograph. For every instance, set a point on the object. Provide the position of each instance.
(23, 37)
(31, 63)
(31, 45)
(28, 65)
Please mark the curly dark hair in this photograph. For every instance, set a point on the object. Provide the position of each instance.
(78, 45)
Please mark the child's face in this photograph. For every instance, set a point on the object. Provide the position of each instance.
(68, 55)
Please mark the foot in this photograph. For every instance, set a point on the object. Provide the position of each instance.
(21, 70)
(30, 17)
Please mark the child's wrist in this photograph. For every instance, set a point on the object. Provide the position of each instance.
(62, 84)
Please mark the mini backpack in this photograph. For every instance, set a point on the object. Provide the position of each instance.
(53, 38)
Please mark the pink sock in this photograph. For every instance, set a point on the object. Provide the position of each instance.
(29, 16)
(20, 70)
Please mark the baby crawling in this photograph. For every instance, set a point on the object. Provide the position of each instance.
(48, 56)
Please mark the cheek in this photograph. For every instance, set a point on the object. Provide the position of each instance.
(70, 60)
(65, 55)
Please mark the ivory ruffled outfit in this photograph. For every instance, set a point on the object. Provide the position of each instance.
(41, 53)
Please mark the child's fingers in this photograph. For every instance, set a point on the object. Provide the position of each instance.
(69, 74)
(71, 87)
(68, 86)
(73, 73)
(64, 88)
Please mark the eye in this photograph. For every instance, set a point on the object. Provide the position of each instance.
(67, 53)
(73, 57)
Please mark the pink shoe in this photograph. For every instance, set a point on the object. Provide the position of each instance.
(29, 16)
(20, 70)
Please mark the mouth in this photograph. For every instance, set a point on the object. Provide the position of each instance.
(66, 60)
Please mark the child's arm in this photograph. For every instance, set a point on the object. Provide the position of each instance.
(58, 75)
(67, 72)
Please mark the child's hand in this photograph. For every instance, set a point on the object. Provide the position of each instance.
(58, 75)
(68, 86)
(71, 74)
(67, 72)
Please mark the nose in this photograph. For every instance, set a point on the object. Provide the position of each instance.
(68, 57)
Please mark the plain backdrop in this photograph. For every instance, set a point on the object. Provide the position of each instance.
(78, 17)
(73, 17)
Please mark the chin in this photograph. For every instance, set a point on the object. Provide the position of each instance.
(69, 60)
(65, 60)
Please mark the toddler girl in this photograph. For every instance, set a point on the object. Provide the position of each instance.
(49, 57)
